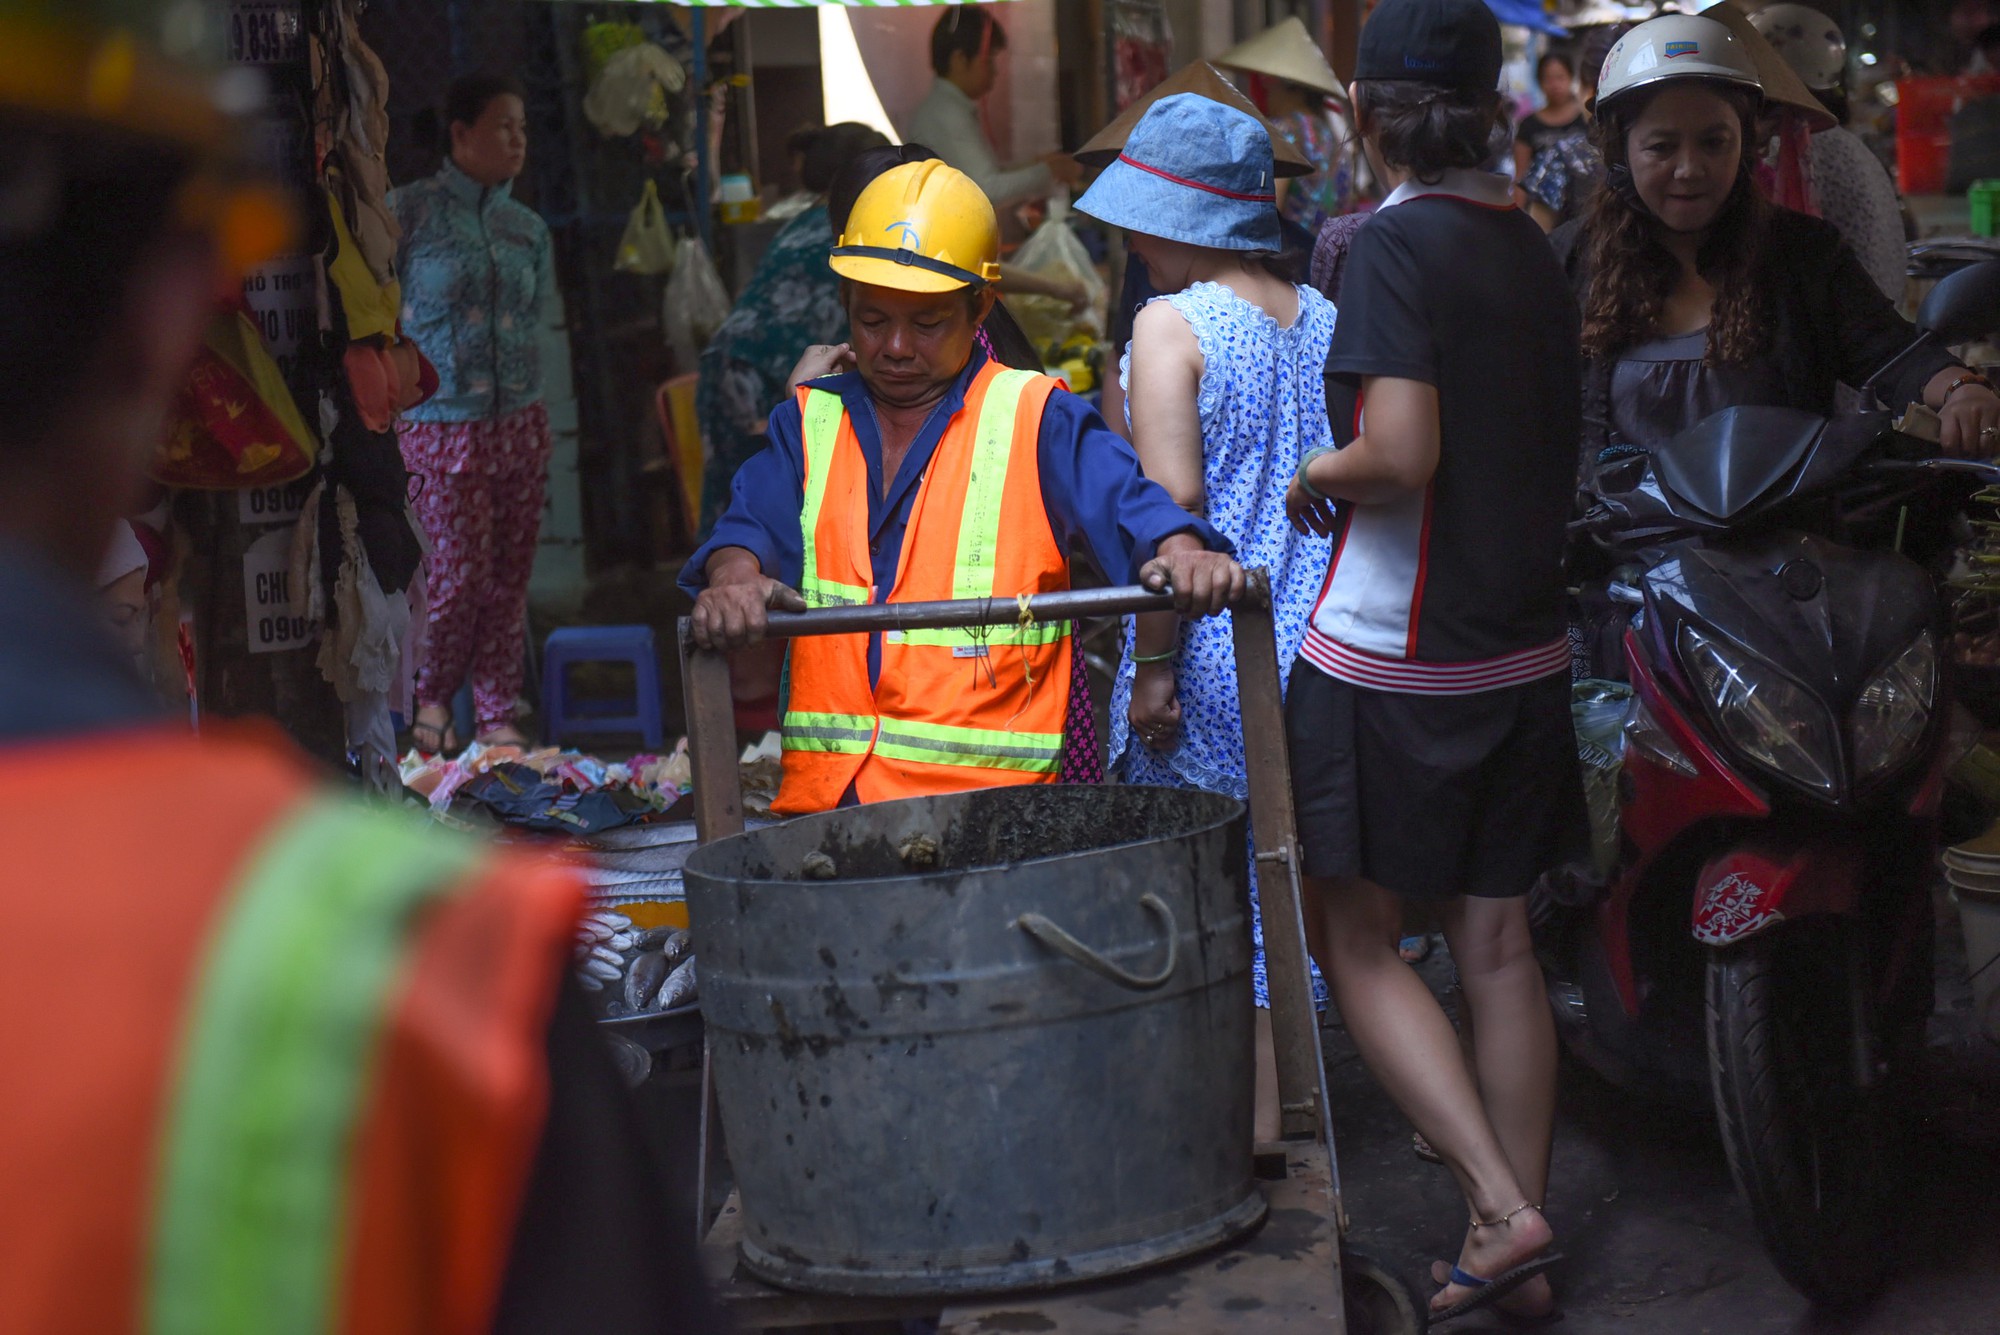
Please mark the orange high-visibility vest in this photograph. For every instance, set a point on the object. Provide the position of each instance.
(275, 1059)
(951, 709)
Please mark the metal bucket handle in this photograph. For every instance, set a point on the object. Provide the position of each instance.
(1060, 941)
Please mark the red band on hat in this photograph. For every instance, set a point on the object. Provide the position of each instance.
(1198, 185)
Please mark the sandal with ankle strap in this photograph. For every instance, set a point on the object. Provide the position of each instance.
(1486, 1292)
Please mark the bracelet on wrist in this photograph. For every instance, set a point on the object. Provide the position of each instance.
(1969, 378)
(1305, 463)
(1147, 660)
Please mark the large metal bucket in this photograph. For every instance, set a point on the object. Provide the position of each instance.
(1025, 1064)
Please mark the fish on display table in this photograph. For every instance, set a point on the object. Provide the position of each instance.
(632, 971)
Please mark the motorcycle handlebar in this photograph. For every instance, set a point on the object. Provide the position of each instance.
(1602, 518)
(1986, 472)
(1596, 520)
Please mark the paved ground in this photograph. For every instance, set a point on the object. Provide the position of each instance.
(1642, 1199)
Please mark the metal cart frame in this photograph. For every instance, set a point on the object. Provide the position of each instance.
(1294, 1273)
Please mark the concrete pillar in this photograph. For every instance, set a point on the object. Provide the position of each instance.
(557, 581)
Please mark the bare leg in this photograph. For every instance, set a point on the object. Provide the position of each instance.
(1512, 1035)
(1267, 1123)
(1511, 1038)
(1404, 1036)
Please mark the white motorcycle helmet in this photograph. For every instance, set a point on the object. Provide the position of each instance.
(1810, 42)
(1674, 46)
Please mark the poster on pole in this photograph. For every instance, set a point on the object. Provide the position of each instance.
(282, 504)
(283, 297)
(271, 624)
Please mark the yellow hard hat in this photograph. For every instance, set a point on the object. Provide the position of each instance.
(920, 227)
(147, 70)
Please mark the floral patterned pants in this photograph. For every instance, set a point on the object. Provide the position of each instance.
(479, 496)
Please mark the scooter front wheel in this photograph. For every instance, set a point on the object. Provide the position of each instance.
(1807, 1138)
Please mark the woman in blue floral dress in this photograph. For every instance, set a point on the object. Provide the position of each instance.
(1224, 391)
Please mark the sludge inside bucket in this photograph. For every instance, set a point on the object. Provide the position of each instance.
(1027, 1061)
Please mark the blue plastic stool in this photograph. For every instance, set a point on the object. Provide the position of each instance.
(562, 716)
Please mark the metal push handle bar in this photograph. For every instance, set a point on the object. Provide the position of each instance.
(1060, 941)
(1068, 605)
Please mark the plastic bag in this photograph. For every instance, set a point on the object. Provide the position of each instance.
(1599, 710)
(648, 243)
(695, 304)
(632, 90)
(605, 39)
(234, 422)
(1056, 252)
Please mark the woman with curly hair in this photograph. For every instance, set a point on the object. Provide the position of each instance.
(1697, 293)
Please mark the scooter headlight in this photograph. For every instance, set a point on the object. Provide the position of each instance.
(1765, 715)
(1894, 710)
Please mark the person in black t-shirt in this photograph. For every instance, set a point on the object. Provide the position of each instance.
(1555, 166)
(1559, 116)
(1433, 756)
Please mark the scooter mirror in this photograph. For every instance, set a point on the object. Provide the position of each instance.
(1965, 305)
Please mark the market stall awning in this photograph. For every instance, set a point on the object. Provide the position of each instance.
(1525, 14)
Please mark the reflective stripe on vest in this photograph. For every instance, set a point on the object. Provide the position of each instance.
(847, 734)
(274, 1072)
(978, 525)
(939, 744)
(821, 428)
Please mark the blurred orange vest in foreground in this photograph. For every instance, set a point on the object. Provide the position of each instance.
(950, 709)
(275, 1060)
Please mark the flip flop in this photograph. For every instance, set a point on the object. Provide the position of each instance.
(1422, 1148)
(1414, 949)
(445, 735)
(1486, 1292)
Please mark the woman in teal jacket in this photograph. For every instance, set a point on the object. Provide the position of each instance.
(479, 288)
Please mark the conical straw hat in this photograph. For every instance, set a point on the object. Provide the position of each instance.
(1782, 85)
(1199, 77)
(1285, 51)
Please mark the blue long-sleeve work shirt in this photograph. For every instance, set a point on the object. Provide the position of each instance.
(1091, 487)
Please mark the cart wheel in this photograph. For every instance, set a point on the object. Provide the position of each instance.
(1377, 1302)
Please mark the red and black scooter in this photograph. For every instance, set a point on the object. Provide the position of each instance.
(1767, 931)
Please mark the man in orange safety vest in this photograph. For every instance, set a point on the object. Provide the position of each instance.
(931, 472)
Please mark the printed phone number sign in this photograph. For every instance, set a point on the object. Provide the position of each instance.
(273, 505)
(284, 305)
(272, 626)
(265, 32)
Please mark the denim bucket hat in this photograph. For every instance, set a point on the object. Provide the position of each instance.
(1195, 171)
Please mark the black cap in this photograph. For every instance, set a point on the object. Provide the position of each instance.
(1455, 43)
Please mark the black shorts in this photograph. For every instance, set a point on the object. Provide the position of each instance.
(1435, 796)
